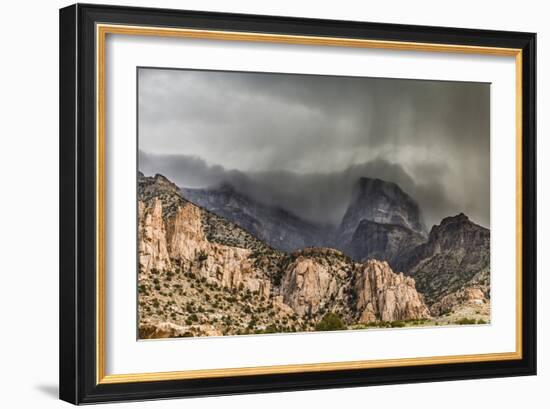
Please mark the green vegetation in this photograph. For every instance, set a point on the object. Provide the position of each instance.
(392, 324)
(466, 321)
(330, 322)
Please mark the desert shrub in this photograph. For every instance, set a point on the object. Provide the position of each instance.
(252, 323)
(481, 321)
(419, 321)
(330, 322)
(378, 324)
(271, 329)
(465, 321)
(397, 324)
(202, 256)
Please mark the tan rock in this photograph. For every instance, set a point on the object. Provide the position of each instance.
(183, 239)
(384, 295)
(150, 330)
(306, 285)
(184, 233)
(468, 297)
(282, 308)
(152, 246)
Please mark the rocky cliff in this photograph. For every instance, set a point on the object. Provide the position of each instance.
(200, 274)
(456, 251)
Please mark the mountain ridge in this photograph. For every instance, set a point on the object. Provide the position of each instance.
(288, 232)
(449, 269)
(201, 275)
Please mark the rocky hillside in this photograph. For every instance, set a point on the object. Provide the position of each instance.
(456, 256)
(200, 274)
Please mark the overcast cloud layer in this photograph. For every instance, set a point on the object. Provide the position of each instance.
(300, 142)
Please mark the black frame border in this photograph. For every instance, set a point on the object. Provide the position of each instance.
(78, 210)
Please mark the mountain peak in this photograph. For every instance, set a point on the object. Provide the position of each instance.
(382, 202)
(365, 184)
(161, 180)
(461, 217)
(454, 223)
(454, 230)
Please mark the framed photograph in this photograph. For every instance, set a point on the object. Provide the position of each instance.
(257, 203)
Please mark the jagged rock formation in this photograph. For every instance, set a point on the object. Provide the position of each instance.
(321, 280)
(202, 275)
(398, 299)
(456, 250)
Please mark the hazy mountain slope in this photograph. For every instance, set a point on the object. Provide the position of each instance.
(377, 223)
(276, 226)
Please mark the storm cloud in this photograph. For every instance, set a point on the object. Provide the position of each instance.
(301, 141)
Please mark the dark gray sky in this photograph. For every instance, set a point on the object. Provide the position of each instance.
(301, 141)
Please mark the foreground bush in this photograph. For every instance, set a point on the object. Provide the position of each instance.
(330, 322)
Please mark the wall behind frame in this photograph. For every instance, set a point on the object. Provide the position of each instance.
(29, 205)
